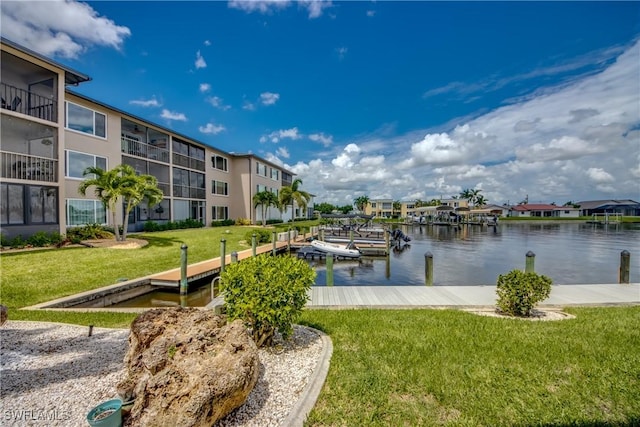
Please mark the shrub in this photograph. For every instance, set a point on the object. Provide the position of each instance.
(243, 221)
(519, 292)
(222, 223)
(88, 232)
(274, 221)
(42, 239)
(262, 236)
(268, 293)
(151, 226)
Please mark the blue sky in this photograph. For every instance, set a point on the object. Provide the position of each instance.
(401, 100)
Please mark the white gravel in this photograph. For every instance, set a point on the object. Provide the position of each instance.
(53, 374)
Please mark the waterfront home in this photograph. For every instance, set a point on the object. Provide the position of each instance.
(540, 210)
(621, 207)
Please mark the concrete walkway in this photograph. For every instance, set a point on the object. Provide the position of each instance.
(463, 296)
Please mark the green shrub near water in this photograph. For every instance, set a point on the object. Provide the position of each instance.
(262, 235)
(268, 293)
(519, 292)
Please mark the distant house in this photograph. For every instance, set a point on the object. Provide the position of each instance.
(540, 210)
(623, 207)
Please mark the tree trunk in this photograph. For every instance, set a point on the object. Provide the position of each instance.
(125, 224)
(114, 218)
(264, 216)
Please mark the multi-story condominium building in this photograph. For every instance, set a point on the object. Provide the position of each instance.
(50, 135)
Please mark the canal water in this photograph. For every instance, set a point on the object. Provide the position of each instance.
(568, 253)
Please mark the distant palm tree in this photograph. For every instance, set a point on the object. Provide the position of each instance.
(361, 202)
(292, 194)
(265, 199)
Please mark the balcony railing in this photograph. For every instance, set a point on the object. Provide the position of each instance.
(141, 149)
(23, 166)
(29, 103)
(190, 192)
(188, 162)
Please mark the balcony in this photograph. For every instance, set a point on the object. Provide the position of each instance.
(188, 162)
(189, 192)
(26, 167)
(141, 149)
(29, 103)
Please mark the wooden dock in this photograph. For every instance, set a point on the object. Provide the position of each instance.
(199, 270)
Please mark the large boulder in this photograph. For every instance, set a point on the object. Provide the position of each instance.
(4, 314)
(187, 367)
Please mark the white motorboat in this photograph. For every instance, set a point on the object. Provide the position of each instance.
(348, 250)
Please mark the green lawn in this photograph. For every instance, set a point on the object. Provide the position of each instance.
(394, 367)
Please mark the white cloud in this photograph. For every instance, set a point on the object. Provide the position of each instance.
(371, 13)
(276, 136)
(153, 102)
(207, 43)
(315, 8)
(283, 152)
(217, 102)
(205, 87)
(269, 98)
(59, 28)
(342, 52)
(211, 129)
(599, 175)
(321, 138)
(200, 62)
(171, 115)
(248, 106)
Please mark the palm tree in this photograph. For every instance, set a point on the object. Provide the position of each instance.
(361, 202)
(136, 189)
(265, 199)
(397, 207)
(292, 194)
(107, 189)
(121, 182)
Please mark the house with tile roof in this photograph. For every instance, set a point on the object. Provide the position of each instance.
(541, 210)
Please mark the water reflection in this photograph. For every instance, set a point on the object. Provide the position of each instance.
(569, 253)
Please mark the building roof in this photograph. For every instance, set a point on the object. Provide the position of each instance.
(71, 76)
(534, 207)
(594, 204)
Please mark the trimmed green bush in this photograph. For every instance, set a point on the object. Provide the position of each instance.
(243, 221)
(519, 292)
(262, 236)
(268, 293)
(223, 223)
(88, 232)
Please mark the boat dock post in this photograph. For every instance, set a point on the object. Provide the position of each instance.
(329, 275)
(625, 265)
(428, 269)
(223, 257)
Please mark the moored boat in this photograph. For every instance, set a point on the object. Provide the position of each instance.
(348, 250)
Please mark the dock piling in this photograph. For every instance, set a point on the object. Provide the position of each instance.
(428, 269)
(329, 262)
(625, 265)
(530, 263)
(223, 255)
(234, 257)
(253, 244)
(274, 238)
(184, 285)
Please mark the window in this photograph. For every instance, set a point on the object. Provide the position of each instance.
(373, 204)
(40, 206)
(260, 188)
(219, 213)
(274, 191)
(76, 163)
(219, 162)
(84, 120)
(275, 174)
(220, 187)
(261, 169)
(81, 212)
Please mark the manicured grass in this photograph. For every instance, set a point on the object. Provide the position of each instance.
(37, 276)
(432, 367)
